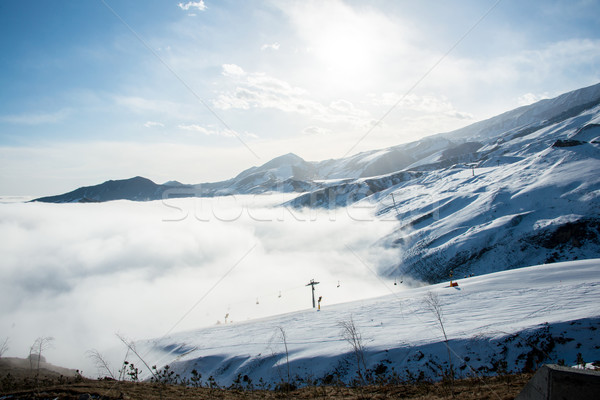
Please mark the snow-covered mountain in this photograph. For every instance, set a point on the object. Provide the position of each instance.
(136, 189)
(508, 321)
(518, 189)
(287, 173)
(482, 143)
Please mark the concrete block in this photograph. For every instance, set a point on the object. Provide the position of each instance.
(553, 382)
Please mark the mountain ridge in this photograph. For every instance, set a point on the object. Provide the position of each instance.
(291, 173)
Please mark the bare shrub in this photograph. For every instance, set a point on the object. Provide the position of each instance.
(3, 347)
(131, 347)
(433, 304)
(287, 355)
(351, 334)
(101, 364)
(39, 346)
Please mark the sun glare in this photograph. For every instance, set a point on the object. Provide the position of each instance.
(346, 50)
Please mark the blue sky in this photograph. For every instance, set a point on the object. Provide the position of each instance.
(198, 91)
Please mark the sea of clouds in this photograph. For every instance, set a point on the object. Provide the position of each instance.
(82, 273)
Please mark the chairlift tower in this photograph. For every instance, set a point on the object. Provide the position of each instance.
(313, 283)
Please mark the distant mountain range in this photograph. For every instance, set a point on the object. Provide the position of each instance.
(290, 173)
(518, 189)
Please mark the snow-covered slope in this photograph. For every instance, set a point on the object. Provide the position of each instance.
(449, 147)
(527, 196)
(522, 317)
(533, 116)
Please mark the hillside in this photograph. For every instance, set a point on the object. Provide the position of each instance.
(507, 321)
(527, 195)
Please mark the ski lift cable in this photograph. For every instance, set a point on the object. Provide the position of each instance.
(276, 294)
(272, 295)
(422, 78)
(206, 293)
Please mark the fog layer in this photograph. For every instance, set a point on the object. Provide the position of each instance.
(83, 272)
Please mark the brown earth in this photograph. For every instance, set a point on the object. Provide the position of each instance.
(497, 388)
(22, 368)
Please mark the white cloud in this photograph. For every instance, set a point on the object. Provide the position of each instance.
(261, 91)
(199, 5)
(141, 104)
(346, 107)
(530, 98)
(250, 135)
(154, 124)
(156, 107)
(316, 130)
(82, 272)
(270, 46)
(460, 115)
(37, 118)
(232, 70)
(207, 131)
(424, 104)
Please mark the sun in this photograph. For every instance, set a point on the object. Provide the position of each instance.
(344, 51)
(346, 46)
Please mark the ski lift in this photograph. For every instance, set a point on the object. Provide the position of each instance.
(395, 283)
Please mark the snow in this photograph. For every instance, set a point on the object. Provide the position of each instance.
(375, 155)
(527, 116)
(501, 214)
(479, 316)
(505, 213)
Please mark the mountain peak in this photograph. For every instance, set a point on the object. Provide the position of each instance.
(286, 159)
(137, 188)
(136, 179)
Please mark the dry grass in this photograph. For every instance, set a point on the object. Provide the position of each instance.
(489, 388)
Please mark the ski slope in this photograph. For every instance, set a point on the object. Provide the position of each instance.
(524, 317)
